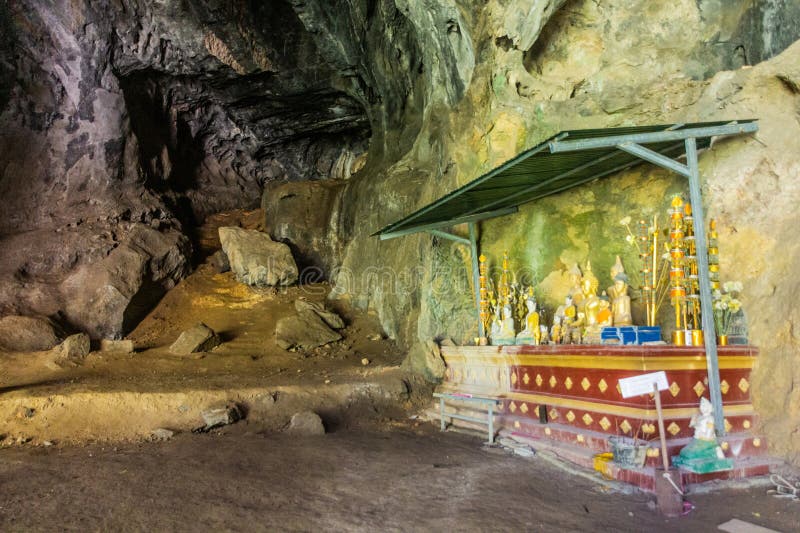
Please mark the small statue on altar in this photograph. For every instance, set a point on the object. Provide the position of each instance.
(620, 301)
(569, 323)
(531, 334)
(703, 454)
(555, 330)
(594, 317)
(575, 289)
(503, 329)
(544, 337)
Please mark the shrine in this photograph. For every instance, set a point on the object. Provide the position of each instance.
(555, 382)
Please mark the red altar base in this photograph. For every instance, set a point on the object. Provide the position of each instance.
(577, 386)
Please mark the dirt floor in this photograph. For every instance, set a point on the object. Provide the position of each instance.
(399, 478)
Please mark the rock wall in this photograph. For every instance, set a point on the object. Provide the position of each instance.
(582, 64)
(124, 123)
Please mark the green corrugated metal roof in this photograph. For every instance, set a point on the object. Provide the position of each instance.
(538, 172)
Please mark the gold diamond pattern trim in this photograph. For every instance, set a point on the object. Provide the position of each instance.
(746, 424)
(587, 419)
(585, 383)
(625, 426)
(580, 438)
(605, 423)
(553, 414)
(756, 442)
(743, 385)
(724, 387)
(699, 388)
(526, 378)
(514, 378)
(724, 446)
(728, 426)
(547, 431)
(648, 429)
(602, 385)
(536, 411)
(653, 452)
(568, 383)
(619, 389)
(570, 416)
(524, 408)
(512, 407)
(674, 389)
(539, 380)
(516, 424)
(501, 406)
(553, 382)
(673, 429)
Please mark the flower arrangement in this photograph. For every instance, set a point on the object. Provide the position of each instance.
(726, 305)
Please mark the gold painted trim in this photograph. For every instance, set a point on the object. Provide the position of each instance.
(618, 410)
(605, 362)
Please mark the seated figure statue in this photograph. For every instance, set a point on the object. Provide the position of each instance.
(531, 334)
(594, 320)
(703, 454)
(620, 301)
(504, 332)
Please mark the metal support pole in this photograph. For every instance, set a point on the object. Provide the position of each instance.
(491, 423)
(706, 309)
(473, 244)
(441, 413)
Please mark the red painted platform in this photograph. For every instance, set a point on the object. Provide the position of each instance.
(577, 387)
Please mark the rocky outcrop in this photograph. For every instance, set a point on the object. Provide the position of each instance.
(311, 327)
(256, 259)
(27, 334)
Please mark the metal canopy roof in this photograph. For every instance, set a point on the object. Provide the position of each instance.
(565, 160)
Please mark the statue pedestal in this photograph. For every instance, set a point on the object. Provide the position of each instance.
(700, 457)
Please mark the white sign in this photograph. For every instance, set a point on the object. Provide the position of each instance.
(636, 385)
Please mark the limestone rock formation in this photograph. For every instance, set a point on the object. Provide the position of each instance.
(198, 338)
(27, 334)
(256, 259)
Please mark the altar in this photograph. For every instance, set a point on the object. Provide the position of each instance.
(568, 397)
(555, 383)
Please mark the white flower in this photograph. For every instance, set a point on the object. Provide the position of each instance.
(625, 221)
(629, 238)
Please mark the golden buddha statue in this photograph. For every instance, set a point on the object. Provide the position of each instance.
(531, 334)
(592, 307)
(575, 290)
(620, 301)
(566, 323)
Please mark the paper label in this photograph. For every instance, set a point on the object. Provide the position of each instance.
(643, 384)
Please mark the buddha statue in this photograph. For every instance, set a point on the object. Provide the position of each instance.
(503, 328)
(531, 334)
(555, 330)
(569, 323)
(594, 317)
(703, 454)
(620, 301)
(575, 290)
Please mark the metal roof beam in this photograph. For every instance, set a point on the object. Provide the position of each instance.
(449, 236)
(654, 157)
(655, 137)
(447, 223)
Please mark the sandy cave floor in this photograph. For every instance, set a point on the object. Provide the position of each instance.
(371, 478)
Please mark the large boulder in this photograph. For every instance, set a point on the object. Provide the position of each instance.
(425, 358)
(304, 331)
(74, 348)
(306, 423)
(27, 334)
(256, 259)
